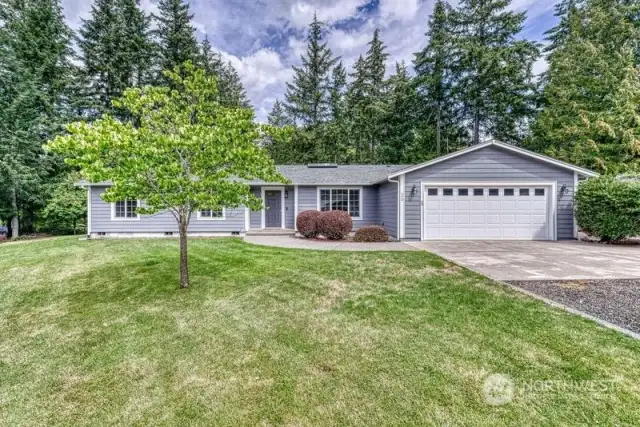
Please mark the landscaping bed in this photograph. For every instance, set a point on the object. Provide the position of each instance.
(616, 301)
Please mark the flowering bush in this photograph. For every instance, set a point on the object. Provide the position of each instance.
(335, 225)
(307, 223)
(373, 233)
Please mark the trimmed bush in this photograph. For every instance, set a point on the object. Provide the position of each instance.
(335, 225)
(372, 233)
(307, 223)
(609, 208)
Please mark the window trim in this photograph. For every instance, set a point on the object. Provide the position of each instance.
(113, 211)
(360, 189)
(218, 218)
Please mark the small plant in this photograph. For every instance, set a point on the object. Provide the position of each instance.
(335, 225)
(307, 223)
(609, 208)
(372, 233)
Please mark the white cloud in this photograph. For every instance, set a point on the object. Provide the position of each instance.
(301, 13)
(403, 10)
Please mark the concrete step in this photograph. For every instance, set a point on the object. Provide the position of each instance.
(271, 232)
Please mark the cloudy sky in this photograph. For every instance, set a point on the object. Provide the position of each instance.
(263, 38)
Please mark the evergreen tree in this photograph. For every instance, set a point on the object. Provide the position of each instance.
(375, 88)
(210, 60)
(556, 36)
(492, 69)
(356, 112)
(175, 36)
(307, 98)
(399, 122)
(232, 93)
(116, 51)
(278, 116)
(337, 87)
(435, 106)
(35, 100)
(591, 116)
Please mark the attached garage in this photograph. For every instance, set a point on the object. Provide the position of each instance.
(480, 211)
(491, 191)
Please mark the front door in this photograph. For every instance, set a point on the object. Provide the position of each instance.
(273, 205)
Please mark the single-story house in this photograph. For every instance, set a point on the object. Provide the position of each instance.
(488, 191)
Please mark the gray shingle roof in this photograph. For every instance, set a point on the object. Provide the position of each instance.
(340, 175)
(336, 175)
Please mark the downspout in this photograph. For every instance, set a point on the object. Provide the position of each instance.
(397, 208)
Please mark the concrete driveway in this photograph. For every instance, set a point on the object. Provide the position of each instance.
(527, 260)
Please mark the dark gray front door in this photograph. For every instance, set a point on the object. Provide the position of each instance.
(273, 204)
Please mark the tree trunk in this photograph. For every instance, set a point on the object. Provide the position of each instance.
(184, 260)
(476, 127)
(15, 221)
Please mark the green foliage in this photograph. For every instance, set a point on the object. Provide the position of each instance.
(117, 52)
(175, 36)
(66, 209)
(307, 97)
(36, 97)
(609, 207)
(185, 153)
(591, 115)
(492, 70)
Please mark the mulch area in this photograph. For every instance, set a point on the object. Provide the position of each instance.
(616, 301)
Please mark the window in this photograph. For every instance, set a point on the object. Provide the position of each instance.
(125, 209)
(341, 199)
(509, 192)
(478, 191)
(432, 192)
(211, 214)
(539, 192)
(463, 191)
(524, 191)
(494, 192)
(447, 192)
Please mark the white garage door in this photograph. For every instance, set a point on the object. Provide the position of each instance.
(488, 212)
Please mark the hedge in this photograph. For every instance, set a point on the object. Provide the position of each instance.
(609, 208)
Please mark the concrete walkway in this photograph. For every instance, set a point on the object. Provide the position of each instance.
(325, 245)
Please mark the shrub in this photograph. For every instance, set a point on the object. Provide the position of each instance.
(373, 233)
(609, 208)
(335, 225)
(307, 223)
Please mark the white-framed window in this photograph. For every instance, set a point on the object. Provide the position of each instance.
(341, 199)
(211, 214)
(125, 210)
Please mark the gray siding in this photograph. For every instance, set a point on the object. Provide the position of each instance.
(388, 207)
(496, 165)
(290, 206)
(161, 222)
(255, 222)
(308, 200)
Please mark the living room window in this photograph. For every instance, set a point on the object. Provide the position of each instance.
(341, 199)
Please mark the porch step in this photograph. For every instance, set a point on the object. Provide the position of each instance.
(271, 232)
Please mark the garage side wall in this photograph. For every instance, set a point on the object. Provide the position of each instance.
(490, 164)
(388, 207)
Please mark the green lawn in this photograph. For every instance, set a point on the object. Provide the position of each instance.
(98, 333)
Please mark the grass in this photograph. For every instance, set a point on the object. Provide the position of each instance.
(97, 333)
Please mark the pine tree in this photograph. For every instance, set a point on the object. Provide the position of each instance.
(375, 64)
(399, 121)
(35, 101)
(116, 52)
(591, 116)
(435, 106)
(337, 87)
(209, 60)
(307, 98)
(493, 76)
(278, 116)
(232, 93)
(175, 36)
(356, 112)
(556, 36)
